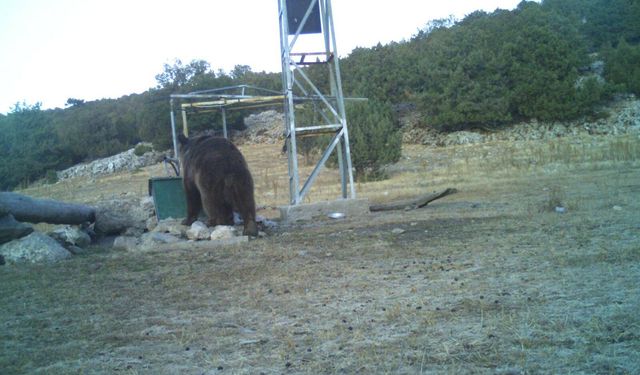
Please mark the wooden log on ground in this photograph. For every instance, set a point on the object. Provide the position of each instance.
(414, 203)
(32, 210)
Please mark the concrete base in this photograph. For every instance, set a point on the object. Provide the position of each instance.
(322, 210)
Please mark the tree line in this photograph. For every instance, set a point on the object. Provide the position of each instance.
(486, 70)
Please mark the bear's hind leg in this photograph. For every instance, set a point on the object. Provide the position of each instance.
(218, 213)
(246, 207)
(194, 203)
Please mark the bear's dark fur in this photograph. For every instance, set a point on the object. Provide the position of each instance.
(216, 177)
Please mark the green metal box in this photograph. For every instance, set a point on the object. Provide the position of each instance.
(168, 197)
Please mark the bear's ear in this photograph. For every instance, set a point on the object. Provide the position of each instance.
(182, 139)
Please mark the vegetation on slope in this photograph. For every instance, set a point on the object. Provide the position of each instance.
(488, 69)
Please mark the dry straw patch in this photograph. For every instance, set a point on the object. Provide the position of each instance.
(485, 281)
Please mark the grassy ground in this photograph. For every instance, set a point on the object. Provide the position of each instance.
(489, 280)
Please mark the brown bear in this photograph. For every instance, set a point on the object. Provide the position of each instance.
(216, 177)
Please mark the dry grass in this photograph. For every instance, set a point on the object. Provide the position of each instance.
(485, 281)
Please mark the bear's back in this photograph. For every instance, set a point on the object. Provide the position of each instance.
(208, 152)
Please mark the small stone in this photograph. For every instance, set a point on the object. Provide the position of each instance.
(70, 236)
(151, 240)
(198, 231)
(75, 250)
(171, 226)
(560, 209)
(398, 231)
(125, 243)
(223, 232)
(617, 208)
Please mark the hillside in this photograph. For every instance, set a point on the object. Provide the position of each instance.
(493, 279)
(549, 61)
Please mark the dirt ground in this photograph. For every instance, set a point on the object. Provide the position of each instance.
(489, 280)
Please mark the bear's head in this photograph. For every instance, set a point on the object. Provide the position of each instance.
(184, 144)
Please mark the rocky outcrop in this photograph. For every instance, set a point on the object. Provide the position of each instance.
(125, 161)
(623, 118)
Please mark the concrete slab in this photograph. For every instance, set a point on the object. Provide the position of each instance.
(313, 211)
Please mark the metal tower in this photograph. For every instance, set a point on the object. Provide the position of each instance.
(299, 17)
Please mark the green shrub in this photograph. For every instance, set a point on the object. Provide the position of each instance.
(51, 177)
(374, 139)
(622, 66)
(142, 149)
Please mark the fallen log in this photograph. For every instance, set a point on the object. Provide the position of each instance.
(414, 203)
(32, 210)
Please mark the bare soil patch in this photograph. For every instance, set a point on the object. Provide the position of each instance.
(488, 280)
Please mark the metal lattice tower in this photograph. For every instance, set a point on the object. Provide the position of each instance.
(299, 17)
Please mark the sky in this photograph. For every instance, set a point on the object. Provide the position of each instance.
(52, 50)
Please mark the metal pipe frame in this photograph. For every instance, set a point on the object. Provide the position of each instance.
(333, 102)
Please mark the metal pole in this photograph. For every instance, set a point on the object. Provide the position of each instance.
(287, 86)
(332, 84)
(173, 131)
(224, 123)
(340, 99)
(185, 127)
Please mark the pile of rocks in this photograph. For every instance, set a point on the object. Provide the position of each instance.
(124, 161)
(172, 232)
(128, 220)
(263, 127)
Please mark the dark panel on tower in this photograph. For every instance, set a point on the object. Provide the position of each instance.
(296, 9)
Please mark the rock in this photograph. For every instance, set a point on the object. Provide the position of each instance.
(223, 232)
(71, 236)
(75, 250)
(264, 127)
(151, 240)
(125, 243)
(171, 226)
(147, 205)
(161, 238)
(397, 231)
(34, 248)
(11, 229)
(617, 208)
(266, 223)
(198, 231)
(152, 223)
(133, 231)
(117, 215)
